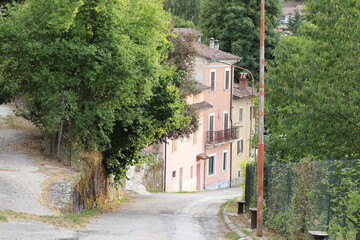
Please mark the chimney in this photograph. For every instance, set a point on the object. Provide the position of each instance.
(212, 43)
(243, 81)
(199, 38)
(216, 47)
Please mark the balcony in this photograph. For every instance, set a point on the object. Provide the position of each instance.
(222, 136)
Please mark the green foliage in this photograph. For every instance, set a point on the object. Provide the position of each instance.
(311, 195)
(182, 23)
(294, 22)
(236, 25)
(313, 100)
(187, 10)
(93, 72)
(345, 189)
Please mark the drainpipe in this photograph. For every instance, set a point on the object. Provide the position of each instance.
(231, 121)
(204, 172)
(165, 167)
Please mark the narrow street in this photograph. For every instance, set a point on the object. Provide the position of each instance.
(176, 216)
(159, 216)
(173, 216)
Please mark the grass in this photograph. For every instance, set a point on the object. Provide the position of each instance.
(231, 235)
(187, 192)
(242, 222)
(222, 207)
(17, 123)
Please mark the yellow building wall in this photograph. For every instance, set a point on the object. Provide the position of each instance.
(246, 129)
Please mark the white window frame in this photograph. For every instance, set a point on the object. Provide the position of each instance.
(225, 167)
(213, 132)
(227, 70)
(208, 164)
(241, 110)
(213, 71)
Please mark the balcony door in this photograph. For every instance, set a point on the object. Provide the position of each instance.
(211, 127)
(225, 132)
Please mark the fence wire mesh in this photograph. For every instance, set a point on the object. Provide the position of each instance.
(305, 196)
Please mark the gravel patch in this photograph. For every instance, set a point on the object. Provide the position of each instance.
(20, 182)
(20, 192)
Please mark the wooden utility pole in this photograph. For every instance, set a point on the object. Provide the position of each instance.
(260, 183)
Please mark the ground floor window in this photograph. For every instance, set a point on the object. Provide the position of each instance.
(211, 165)
(225, 161)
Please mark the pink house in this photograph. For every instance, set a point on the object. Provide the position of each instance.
(204, 160)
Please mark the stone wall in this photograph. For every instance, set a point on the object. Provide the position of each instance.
(153, 176)
(94, 188)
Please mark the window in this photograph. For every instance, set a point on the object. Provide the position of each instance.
(211, 127)
(239, 173)
(240, 146)
(227, 79)
(226, 120)
(191, 172)
(174, 145)
(211, 165)
(252, 112)
(241, 114)
(174, 174)
(212, 80)
(225, 160)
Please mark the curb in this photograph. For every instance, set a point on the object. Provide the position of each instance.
(232, 227)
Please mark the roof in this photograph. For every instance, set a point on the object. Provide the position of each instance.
(204, 50)
(202, 86)
(249, 92)
(187, 31)
(200, 106)
(210, 54)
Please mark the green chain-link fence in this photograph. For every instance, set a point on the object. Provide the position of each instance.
(305, 196)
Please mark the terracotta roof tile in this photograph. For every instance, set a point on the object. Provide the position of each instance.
(200, 106)
(202, 86)
(244, 93)
(204, 50)
(209, 53)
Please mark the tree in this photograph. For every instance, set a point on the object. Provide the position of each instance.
(93, 71)
(236, 24)
(185, 9)
(313, 99)
(294, 22)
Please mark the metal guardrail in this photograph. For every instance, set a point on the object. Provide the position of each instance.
(214, 137)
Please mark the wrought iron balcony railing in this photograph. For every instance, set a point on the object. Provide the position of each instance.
(214, 137)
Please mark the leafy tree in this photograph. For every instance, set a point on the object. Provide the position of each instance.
(184, 9)
(294, 22)
(92, 71)
(313, 99)
(236, 24)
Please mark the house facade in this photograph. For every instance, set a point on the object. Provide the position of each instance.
(203, 161)
(244, 116)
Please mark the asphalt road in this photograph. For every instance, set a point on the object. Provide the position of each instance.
(159, 216)
(175, 216)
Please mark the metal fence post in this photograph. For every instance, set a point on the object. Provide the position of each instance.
(329, 192)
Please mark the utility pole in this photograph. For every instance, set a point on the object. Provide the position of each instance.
(260, 183)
